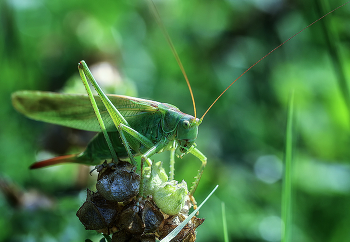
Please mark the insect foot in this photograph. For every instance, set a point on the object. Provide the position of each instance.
(117, 210)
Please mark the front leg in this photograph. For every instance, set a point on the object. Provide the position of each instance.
(152, 149)
(155, 149)
(172, 161)
(138, 136)
(194, 151)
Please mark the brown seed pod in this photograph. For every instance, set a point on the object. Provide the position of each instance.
(138, 221)
(130, 220)
(116, 209)
(117, 182)
(151, 217)
(187, 234)
(151, 237)
(121, 236)
(96, 212)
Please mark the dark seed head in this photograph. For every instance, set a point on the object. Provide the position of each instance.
(116, 208)
(130, 220)
(152, 217)
(118, 183)
(97, 213)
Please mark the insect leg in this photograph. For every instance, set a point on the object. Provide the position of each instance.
(112, 110)
(141, 138)
(147, 143)
(203, 159)
(142, 180)
(127, 146)
(117, 118)
(98, 115)
(172, 161)
(152, 148)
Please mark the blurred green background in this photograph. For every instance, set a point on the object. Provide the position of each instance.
(243, 135)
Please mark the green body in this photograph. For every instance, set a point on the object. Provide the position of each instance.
(156, 121)
(130, 126)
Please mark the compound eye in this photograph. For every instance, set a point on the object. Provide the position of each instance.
(186, 124)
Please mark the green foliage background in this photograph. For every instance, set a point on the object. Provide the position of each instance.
(243, 135)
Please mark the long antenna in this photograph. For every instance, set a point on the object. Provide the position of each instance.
(161, 25)
(268, 55)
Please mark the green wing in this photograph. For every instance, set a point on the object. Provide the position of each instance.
(75, 110)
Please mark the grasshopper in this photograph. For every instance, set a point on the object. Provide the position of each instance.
(134, 126)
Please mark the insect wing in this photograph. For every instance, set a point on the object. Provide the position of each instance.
(75, 110)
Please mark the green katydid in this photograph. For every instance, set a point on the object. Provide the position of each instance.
(135, 126)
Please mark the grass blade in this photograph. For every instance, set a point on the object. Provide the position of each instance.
(224, 221)
(332, 40)
(287, 183)
(177, 230)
